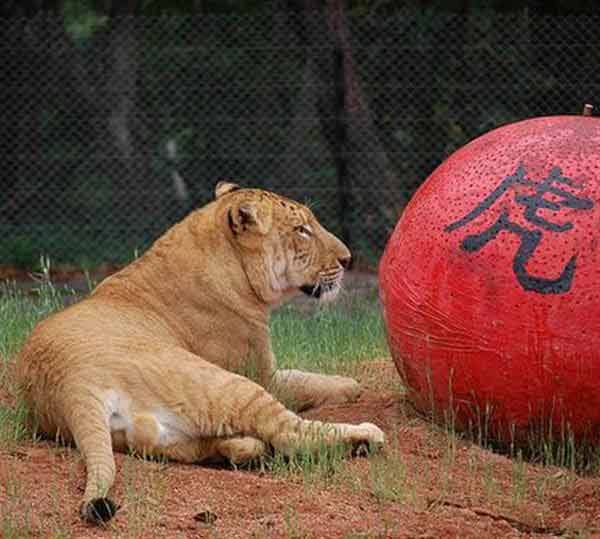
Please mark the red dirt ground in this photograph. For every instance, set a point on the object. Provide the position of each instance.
(425, 484)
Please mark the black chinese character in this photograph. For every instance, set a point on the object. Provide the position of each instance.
(530, 238)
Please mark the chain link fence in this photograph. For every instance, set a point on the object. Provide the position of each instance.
(111, 132)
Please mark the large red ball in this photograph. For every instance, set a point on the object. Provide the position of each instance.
(490, 282)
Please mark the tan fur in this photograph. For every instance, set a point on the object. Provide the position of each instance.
(145, 362)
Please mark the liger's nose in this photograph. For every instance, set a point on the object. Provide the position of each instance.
(345, 261)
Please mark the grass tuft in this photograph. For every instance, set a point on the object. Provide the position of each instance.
(329, 337)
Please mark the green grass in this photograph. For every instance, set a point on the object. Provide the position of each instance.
(19, 312)
(330, 336)
(346, 331)
(18, 315)
(318, 465)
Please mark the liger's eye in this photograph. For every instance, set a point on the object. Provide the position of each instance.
(304, 230)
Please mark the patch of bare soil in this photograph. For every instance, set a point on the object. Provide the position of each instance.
(425, 484)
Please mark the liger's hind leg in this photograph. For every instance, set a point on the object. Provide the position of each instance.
(144, 439)
(240, 450)
(235, 450)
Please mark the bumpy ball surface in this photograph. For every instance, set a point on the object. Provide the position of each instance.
(490, 283)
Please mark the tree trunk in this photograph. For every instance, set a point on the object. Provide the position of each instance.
(369, 192)
(121, 88)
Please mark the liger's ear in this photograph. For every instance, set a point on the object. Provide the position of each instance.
(248, 216)
(223, 187)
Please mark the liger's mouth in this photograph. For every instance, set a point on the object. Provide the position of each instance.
(312, 290)
(326, 288)
(321, 290)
